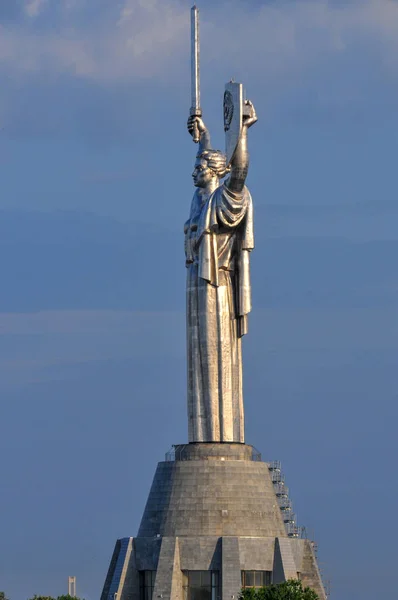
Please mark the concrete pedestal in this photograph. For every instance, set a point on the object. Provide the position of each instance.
(212, 507)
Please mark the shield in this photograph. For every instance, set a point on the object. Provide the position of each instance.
(233, 114)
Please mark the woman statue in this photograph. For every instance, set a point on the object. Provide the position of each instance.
(218, 240)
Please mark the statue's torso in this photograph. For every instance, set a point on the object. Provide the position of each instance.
(225, 237)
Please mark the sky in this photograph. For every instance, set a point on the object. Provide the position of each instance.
(95, 166)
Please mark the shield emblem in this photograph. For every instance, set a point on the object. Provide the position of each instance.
(233, 113)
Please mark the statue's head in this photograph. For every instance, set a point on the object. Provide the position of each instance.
(210, 166)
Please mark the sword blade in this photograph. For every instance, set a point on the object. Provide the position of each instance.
(195, 67)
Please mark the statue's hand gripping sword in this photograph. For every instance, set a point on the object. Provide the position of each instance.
(195, 111)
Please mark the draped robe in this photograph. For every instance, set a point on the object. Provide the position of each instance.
(218, 241)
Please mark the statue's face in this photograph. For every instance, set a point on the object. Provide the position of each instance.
(202, 174)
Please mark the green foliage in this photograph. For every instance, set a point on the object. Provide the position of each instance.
(64, 597)
(3, 596)
(288, 590)
(248, 594)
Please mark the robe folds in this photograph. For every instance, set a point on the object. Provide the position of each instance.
(218, 240)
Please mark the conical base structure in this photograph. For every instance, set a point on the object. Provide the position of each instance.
(212, 524)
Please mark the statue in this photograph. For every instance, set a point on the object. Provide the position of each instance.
(218, 241)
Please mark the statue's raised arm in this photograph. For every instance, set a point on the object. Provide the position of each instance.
(240, 160)
(239, 166)
(196, 126)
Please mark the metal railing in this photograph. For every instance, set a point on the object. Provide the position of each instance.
(176, 451)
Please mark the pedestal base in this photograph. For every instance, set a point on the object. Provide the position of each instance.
(212, 507)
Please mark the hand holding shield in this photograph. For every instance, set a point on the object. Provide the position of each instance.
(249, 116)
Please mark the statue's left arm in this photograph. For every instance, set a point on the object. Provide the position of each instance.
(240, 161)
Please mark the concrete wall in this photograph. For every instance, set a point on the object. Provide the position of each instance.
(229, 555)
(219, 496)
(213, 508)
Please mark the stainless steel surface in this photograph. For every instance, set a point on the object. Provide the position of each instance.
(195, 72)
(218, 241)
(195, 69)
(233, 117)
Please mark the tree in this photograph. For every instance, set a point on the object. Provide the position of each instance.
(3, 596)
(64, 597)
(288, 590)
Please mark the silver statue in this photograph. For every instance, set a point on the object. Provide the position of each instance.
(218, 241)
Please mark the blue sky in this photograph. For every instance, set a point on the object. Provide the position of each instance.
(95, 168)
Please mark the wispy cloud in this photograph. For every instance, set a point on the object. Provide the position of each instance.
(335, 54)
(34, 7)
(142, 38)
(137, 40)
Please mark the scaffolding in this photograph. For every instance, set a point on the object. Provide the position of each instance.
(288, 515)
(284, 502)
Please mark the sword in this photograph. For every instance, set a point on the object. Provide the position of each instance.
(195, 111)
